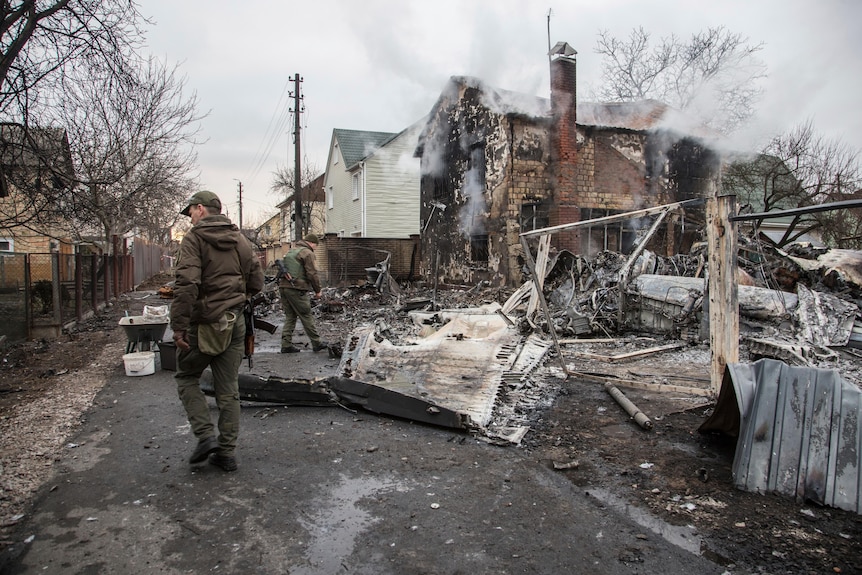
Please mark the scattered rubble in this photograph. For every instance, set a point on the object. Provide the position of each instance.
(589, 432)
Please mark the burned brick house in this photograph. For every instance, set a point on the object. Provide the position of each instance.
(495, 164)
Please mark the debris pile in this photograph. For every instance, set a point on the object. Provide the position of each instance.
(796, 305)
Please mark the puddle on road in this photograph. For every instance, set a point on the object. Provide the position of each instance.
(682, 537)
(337, 523)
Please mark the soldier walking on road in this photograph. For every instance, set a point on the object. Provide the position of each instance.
(216, 272)
(299, 278)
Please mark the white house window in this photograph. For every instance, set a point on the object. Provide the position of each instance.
(330, 201)
(7, 245)
(356, 185)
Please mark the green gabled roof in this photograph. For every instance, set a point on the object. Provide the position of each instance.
(356, 145)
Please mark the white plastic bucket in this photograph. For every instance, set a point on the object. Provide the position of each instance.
(140, 363)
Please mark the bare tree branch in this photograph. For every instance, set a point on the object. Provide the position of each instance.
(714, 76)
(801, 169)
(47, 49)
(132, 142)
(283, 181)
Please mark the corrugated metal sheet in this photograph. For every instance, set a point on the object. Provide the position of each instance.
(800, 432)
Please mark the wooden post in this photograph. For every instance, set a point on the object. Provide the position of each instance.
(79, 287)
(106, 277)
(28, 296)
(722, 286)
(94, 282)
(528, 256)
(115, 276)
(55, 285)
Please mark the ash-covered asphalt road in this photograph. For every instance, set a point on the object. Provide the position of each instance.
(318, 491)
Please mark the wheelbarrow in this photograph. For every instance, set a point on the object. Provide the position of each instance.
(142, 332)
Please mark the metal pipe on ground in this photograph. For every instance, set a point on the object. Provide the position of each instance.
(630, 408)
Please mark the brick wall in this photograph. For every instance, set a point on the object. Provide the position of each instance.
(564, 149)
(619, 183)
(529, 183)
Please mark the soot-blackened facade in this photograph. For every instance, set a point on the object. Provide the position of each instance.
(495, 164)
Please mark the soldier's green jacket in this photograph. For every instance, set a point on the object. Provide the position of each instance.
(216, 271)
(300, 263)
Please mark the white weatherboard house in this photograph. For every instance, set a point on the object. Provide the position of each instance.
(372, 184)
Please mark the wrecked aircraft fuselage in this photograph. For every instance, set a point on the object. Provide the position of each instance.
(465, 369)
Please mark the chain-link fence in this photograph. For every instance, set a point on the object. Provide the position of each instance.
(14, 319)
(41, 294)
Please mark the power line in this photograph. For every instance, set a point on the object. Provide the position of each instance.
(277, 112)
(271, 136)
(279, 130)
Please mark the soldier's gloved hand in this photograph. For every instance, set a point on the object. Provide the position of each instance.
(181, 338)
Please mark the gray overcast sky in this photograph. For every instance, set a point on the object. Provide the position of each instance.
(380, 65)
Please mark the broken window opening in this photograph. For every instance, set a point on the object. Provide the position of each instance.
(474, 177)
(534, 216)
(614, 236)
(476, 161)
(479, 248)
(441, 188)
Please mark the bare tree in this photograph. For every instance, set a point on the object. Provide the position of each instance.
(714, 76)
(800, 169)
(41, 40)
(284, 182)
(46, 47)
(132, 143)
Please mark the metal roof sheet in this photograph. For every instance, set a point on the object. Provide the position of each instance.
(800, 432)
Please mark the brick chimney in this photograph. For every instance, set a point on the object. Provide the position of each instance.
(564, 151)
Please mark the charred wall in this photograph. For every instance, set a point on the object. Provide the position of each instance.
(611, 172)
(489, 175)
(478, 170)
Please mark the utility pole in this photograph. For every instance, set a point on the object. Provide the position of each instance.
(239, 186)
(297, 171)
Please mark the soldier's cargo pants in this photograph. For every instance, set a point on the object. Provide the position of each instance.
(295, 304)
(225, 370)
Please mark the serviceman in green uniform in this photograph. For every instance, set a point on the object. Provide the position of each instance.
(299, 278)
(216, 272)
